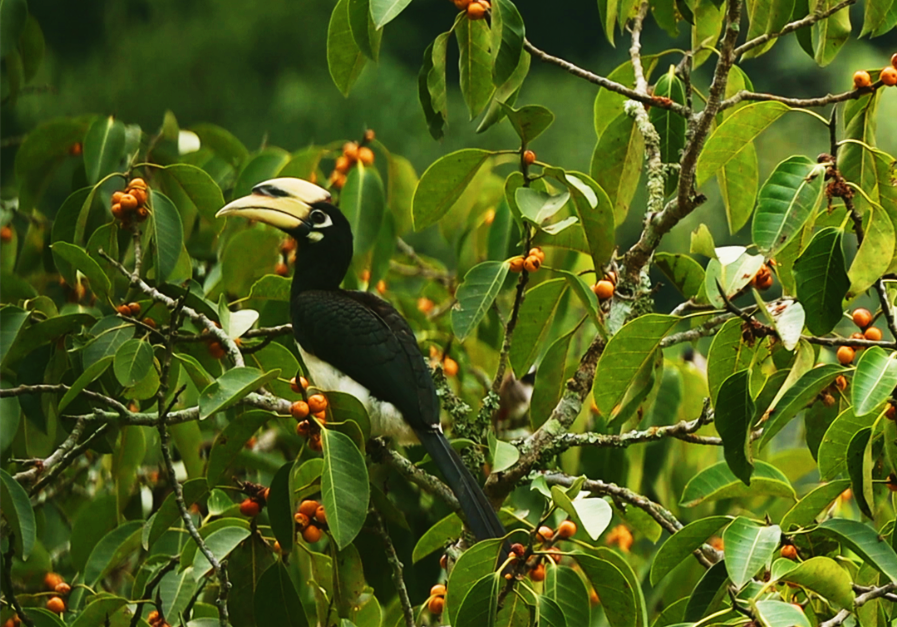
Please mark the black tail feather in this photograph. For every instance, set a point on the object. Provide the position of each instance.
(481, 517)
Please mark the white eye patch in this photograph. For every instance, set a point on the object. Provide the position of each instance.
(320, 220)
(315, 236)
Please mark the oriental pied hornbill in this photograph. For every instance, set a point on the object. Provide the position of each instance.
(356, 342)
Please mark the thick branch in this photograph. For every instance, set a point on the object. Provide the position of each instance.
(382, 454)
(860, 601)
(603, 82)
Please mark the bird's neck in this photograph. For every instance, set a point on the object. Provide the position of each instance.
(320, 267)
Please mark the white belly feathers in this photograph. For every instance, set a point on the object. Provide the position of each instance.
(386, 419)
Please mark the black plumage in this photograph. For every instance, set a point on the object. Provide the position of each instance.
(360, 335)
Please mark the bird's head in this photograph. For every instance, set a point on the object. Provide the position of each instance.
(297, 207)
(304, 211)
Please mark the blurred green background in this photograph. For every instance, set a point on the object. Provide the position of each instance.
(260, 70)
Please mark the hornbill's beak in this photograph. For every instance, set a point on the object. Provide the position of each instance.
(284, 203)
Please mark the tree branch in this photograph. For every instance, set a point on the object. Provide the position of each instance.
(7, 583)
(791, 27)
(860, 601)
(395, 566)
(382, 454)
(801, 103)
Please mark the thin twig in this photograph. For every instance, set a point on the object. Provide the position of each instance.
(800, 103)
(860, 601)
(395, 566)
(7, 584)
(67, 459)
(382, 454)
(151, 585)
(791, 27)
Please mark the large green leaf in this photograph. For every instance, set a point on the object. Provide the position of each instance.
(874, 380)
(529, 121)
(344, 57)
(534, 322)
(384, 11)
(363, 201)
(836, 442)
(474, 64)
(594, 210)
(785, 203)
(865, 542)
(717, 482)
(263, 165)
(480, 604)
(625, 355)
(829, 35)
(104, 147)
(825, 577)
(133, 361)
(876, 252)
(796, 398)
(476, 295)
(168, 513)
(748, 546)
(738, 181)
(220, 542)
(111, 551)
(671, 126)
(18, 514)
(230, 442)
(617, 163)
(100, 611)
(474, 564)
(681, 544)
(432, 87)
(364, 31)
(276, 600)
(780, 614)
(222, 142)
(806, 510)
(735, 133)
(442, 184)
(876, 16)
(90, 374)
(345, 491)
(437, 537)
(618, 597)
(230, 387)
(508, 33)
(733, 274)
(176, 590)
(553, 373)
(821, 280)
(168, 235)
(192, 189)
(564, 586)
(591, 515)
(859, 469)
(78, 259)
(683, 271)
(734, 417)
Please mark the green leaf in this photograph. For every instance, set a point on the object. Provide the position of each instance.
(112, 550)
(476, 295)
(564, 586)
(384, 11)
(685, 273)
(810, 384)
(738, 181)
(13, 15)
(734, 416)
(683, 543)
(733, 275)
(176, 590)
(874, 380)
(822, 281)
(280, 507)
(553, 373)
(29, 338)
(222, 142)
(90, 374)
(717, 482)
(748, 547)
(104, 148)
(618, 598)
(220, 542)
(169, 514)
(363, 202)
(833, 448)
(78, 258)
(344, 57)
(786, 201)
(550, 613)
(825, 577)
(671, 126)
(230, 442)
(534, 322)
(829, 35)
(708, 21)
(474, 64)
(437, 537)
(876, 16)
(44, 148)
(537, 206)
(735, 133)
(617, 163)
(634, 346)
(192, 189)
(805, 511)
(168, 235)
(591, 515)
(345, 407)
(230, 387)
(133, 361)
(859, 468)
(18, 514)
(865, 542)
(508, 29)
(475, 563)
(529, 121)
(99, 611)
(432, 87)
(271, 287)
(876, 252)
(442, 184)
(505, 93)
(365, 33)
(480, 604)
(345, 491)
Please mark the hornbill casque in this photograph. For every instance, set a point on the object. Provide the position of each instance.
(356, 342)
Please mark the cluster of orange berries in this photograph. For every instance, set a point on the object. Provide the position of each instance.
(6, 234)
(131, 203)
(258, 497)
(449, 365)
(547, 537)
(476, 9)
(352, 153)
(888, 76)
(531, 263)
(316, 405)
(606, 287)
(155, 619)
(763, 279)
(55, 582)
(310, 520)
(436, 601)
(288, 256)
(132, 310)
(863, 319)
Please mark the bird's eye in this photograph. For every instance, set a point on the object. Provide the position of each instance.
(319, 218)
